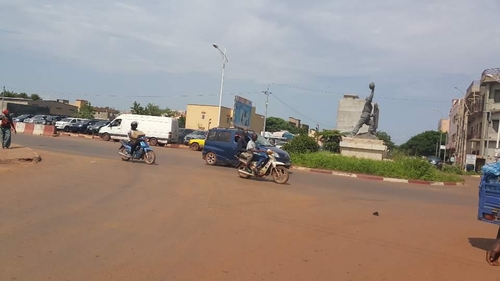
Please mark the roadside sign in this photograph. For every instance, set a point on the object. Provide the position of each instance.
(470, 159)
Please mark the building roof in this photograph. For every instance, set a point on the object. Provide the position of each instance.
(105, 109)
(208, 105)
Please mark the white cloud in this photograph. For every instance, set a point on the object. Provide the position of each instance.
(267, 41)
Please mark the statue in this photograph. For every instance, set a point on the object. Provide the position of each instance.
(367, 117)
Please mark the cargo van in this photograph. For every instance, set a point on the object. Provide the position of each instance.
(158, 130)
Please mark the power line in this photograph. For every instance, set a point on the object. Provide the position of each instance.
(340, 94)
(296, 111)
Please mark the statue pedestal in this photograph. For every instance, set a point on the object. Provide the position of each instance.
(369, 148)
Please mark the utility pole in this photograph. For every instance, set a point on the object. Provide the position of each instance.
(3, 95)
(267, 93)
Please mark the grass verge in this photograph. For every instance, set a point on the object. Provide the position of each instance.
(401, 168)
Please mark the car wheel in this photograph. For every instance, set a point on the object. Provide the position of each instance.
(194, 146)
(106, 137)
(211, 158)
(153, 142)
(66, 129)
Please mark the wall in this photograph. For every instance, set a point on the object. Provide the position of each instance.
(198, 116)
(56, 108)
(451, 142)
(348, 113)
(491, 129)
(444, 125)
(20, 109)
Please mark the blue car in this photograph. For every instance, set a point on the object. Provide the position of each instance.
(221, 143)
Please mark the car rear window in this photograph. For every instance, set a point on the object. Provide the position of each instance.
(211, 135)
(224, 136)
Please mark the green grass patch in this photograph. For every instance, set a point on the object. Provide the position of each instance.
(401, 167)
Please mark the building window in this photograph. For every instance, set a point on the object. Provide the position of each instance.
(203, 114)
(494, 123)
(497, 96)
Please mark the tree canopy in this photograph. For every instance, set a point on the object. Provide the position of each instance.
(86, 111)
(10, 94)
(151, 109)
(276, 124)
(381, 135)
(423, 144)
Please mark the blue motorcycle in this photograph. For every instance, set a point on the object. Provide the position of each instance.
(142, 152)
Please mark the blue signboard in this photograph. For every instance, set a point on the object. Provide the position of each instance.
(242, 113)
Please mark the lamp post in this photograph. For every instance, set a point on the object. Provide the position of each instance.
(267, 93)
(440, 135)
(224, 60)
(462, 145)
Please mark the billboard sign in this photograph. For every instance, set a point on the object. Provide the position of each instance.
(242, 113)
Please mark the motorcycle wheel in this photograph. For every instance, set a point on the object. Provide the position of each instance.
(150, 157)
(241, 166)
(123, 150)
(281, 175)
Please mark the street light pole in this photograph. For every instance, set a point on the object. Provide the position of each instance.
(224, 60)
(267, 93)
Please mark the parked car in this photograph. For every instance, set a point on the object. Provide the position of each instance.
(435, 161)
(51, 120)
(198, 134)
(21, 118)
(81, 127)
(39, 120)
(65, 123)
(196, 144)
(94, 129)
(221, 143)
(182, 133)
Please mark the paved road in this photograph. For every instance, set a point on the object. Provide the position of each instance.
(75, 217)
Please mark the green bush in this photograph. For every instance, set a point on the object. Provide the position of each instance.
(453, 169)
(301, 144)
(402, 168)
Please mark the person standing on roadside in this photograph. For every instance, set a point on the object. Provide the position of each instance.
(6, 127)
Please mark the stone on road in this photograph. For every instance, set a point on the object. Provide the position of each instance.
(75, 217)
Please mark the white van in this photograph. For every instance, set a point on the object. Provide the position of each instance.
(158, 130)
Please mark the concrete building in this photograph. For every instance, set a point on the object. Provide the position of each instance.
(27, 106)
(297, 124)
(487, 129)
(204, 117)
(348, 113)
(443, 125)
(105, 113)
(452, 137)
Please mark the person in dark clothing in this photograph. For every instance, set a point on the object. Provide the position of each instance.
(6, 127)
(242, 143)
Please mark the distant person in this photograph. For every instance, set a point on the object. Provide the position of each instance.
(6, 127)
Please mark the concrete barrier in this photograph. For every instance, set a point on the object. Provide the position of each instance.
(32, 129)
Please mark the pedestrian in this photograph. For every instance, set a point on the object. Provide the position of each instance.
(6, 127)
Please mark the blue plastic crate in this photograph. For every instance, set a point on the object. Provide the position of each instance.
(489, 199)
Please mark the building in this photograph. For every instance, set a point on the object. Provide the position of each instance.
(105, 113)
(50, 107)
(452, 137)
(349, 111)
(443, 125)
(297, 124)
(204, 117)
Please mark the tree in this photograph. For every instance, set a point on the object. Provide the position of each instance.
(182, 122)
(153, 110)
(23, 95)
(137, 108)
(276, 124)
(302, 144)
(381, 135)
(169, 112)
(423, 144)
(35, 97)
(331, 140)
(86, 111)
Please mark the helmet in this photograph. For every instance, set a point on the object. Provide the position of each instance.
(134, 125)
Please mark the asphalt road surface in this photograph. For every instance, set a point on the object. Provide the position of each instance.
(83, 214)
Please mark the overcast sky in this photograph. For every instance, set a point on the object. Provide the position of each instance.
(311, 52)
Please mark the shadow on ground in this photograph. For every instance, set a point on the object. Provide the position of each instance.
(482, 243)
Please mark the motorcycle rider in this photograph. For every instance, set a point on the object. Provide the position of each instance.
(252, 148)
(134, 136)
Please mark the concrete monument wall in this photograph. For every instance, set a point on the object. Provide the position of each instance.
(349, 111)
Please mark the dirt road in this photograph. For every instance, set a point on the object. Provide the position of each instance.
(89, 218)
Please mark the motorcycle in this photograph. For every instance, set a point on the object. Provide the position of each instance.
(142, 152)
(272, 167)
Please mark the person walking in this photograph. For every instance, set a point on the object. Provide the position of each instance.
(6, 127)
